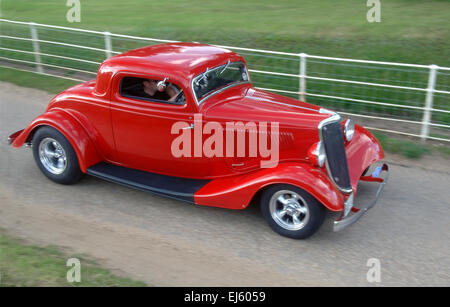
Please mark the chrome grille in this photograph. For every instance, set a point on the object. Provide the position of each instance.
(333, 140)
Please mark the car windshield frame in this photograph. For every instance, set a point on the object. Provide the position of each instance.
(221, 69)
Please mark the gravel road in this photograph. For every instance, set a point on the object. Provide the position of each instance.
(169, 243)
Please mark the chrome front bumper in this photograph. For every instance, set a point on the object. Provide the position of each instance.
(346, 218)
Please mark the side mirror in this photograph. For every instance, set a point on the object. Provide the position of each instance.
(161, 85)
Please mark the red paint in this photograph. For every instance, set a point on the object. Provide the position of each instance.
(102, 125)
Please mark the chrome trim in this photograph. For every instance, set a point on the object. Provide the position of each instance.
(343, 221)
(162, 85)
(349, 125)
(226, 66)
(217, 91)
(237, 164)
(321, 155)
(221, 89)
(191, 126)
(334, 118)
(348, 204)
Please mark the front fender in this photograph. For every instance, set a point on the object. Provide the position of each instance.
(74, 132)
(362, 151)
(237, 192)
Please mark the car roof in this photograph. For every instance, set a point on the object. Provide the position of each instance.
(180, 60)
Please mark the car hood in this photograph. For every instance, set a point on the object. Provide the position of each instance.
(250, 104)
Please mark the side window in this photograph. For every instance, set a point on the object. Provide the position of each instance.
(147, 89)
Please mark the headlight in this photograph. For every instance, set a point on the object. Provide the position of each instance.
(316, 154)
(349, 130)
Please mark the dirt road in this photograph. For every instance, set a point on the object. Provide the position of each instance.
(166, 242)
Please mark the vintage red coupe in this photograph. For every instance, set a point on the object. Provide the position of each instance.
(148, 121)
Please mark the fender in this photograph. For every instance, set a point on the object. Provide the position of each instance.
(362, 151)
(237, 192)
(74, 132)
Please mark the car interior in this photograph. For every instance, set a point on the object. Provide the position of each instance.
(132, 87)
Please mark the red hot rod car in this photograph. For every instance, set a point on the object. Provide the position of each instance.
(135, 122)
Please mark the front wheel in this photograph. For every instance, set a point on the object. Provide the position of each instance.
(55, 157)
(291, 211)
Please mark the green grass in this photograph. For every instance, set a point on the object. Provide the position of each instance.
(52, 85)
(27, 265)
(406, 148)
(444, 150)
(409, 31)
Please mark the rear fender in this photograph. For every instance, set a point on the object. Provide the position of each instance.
(237, 192)
(74, 132)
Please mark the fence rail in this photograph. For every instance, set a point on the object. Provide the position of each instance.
(407, 99)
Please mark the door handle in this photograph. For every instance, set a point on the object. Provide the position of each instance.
(237, 164)
(188, 127)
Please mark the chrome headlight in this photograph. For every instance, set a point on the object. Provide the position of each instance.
(317, 154)
(349, 130)
(321, 157)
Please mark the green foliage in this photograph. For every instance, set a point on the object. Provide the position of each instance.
(407, 148)
(409, 31)
(27, 265)
(28, 79)
(444, 150)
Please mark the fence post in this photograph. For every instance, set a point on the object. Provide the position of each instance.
(36, 49)
(428, 102)
(302, 77)
(108, 44)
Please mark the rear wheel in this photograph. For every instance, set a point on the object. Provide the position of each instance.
(291, 211)
(55, 157)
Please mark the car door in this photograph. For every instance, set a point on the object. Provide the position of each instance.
(142, 133)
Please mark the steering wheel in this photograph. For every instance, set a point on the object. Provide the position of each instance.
(180, 98)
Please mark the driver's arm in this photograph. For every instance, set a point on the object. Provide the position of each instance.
(172, 91)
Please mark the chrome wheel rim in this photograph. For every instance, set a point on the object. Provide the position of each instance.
(52, 156)
(289, 210)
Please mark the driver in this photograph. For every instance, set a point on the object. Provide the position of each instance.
(150, 89)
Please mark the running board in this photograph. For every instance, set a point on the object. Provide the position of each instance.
(168, 186)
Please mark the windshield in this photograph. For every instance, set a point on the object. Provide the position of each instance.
(212, 80)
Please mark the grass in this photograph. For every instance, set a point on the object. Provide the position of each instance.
(27, 265)
(445, 151)
(406, 148)
(412, 31)
(27, 79)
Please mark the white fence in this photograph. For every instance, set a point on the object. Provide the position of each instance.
(408, 99)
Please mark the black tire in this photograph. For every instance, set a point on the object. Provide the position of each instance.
(71, 172)
(365, 171)
(312, 219)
